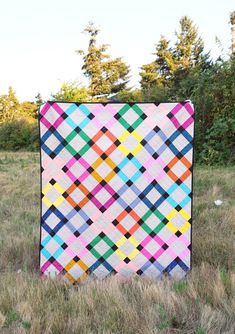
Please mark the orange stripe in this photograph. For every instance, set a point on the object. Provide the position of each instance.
(121, 216)
(172, 175)
(134, 215)
(173, 162)
(97, 149)
(134, 228)
(97, 136)
(121, 229)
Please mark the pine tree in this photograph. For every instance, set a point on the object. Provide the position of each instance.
(9, 106)
(232, 22)
(165, 61)
(189, 48)
(159, 72)
(174, 63)
(38, 100)
(149, 76)
(232, 18)
(106, 75)
(189, 53)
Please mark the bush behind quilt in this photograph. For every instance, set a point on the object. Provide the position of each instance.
(116, 182)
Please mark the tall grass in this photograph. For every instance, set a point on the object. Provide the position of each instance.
(202, 303)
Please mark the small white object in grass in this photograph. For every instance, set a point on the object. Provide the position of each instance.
(19, 271)
(218, 202)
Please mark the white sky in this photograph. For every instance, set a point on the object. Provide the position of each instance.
(38, 38)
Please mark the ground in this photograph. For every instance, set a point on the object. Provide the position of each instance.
(203, 303)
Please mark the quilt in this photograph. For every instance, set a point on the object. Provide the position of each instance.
(116, 189)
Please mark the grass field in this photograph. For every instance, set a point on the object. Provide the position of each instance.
(203, 303)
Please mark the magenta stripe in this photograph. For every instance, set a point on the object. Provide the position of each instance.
(146, 240)
(109, 202)
(83, 176)
(96, 189)
(96, 202)
(158, 240)
(57, 265)
(45, 122)
(71, 163)
(158, 253)
(58, 122)
(71, 176)
(57, 108)
(109, 189)
(45, 108)
(84, 163)
(187, 122)
(175, 110)
(146, 253)
(45, 266)
(189, 108)
(175, 122)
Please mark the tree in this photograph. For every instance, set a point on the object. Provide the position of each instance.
(232, 18)
(129, 96)
(158, 72)
(72, 92)
(174, 63)
(189, 48)
(28, 110)
(232, 22)
(106, 75)
(165, 61)
(9, 106)
(38, 100)
(149, 76)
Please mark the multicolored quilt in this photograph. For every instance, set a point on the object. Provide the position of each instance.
(116, 181)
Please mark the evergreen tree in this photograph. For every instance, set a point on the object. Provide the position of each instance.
(189, 48)
(159, 72)
(106, 75)
(232, 22)
(165, 61)
(174, 63)
(38, 100)
(9, 106)
(149, 76)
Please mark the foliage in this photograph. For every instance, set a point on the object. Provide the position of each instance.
(106, 75)
(28, 110)
(232, 17)
(186, 72)
(180, 71)
(202, 303)
(172, 64)
(157, 93)
(19, 135)
(38, 100)
(71, 91)
(130, 96)
(9, 106)
(213, 93)
(218, 147)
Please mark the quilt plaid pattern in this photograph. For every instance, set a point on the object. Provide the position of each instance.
(116, 184)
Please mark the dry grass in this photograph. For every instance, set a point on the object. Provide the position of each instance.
(203, 303)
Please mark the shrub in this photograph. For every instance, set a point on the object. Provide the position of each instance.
(19, 135)
(218, 147)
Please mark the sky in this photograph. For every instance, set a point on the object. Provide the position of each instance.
(38, 38)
